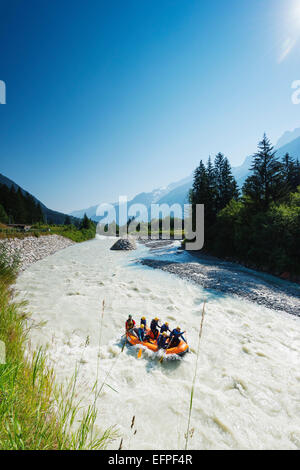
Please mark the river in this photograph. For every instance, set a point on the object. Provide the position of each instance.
(248, 380)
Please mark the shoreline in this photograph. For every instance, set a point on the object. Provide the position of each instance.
(228, 278)
(33, 249)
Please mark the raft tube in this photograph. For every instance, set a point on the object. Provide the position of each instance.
(132, 339)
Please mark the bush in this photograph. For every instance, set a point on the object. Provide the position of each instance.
(268, 240)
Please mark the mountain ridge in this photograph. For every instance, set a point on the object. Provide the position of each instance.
(55, 216)
(178, 192)
(174, 193)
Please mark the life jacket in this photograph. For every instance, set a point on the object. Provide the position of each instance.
(164, 328)
(161, 342)
(175, 337)
(154, 325)
(141, 334)
(176, 333)
(129, 324)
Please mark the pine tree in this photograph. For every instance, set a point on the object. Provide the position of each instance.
(296, 179)
(265, 184)
(40, 215)
(200, 185)
(86, 223)
(3, 215)
(229, 188)
(67, 220)
(290, 172)
(21, 214)
(203, 192)
(13, 205)
(225, 185)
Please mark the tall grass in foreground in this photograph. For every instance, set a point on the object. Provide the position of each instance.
(35, 413)
(194, 379)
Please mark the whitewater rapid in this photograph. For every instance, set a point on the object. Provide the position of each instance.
(248, 384)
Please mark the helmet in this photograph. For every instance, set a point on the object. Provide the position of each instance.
(178, 328)
(142, 326)
(166, 323)
(143, 318)
(156, 319)
(164, 333)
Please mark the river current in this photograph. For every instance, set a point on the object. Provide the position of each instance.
(248, 380)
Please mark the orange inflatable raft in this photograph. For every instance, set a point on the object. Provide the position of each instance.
(151, 344)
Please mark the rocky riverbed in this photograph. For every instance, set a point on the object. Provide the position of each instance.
(32, 249)
(223, 276)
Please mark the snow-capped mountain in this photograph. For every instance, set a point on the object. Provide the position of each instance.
(146, 199)
(288, 137)
(177, 193)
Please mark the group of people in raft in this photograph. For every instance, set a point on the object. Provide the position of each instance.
(165, 337)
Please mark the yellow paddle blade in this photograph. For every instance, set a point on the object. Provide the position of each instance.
(163, 356)
(140, 353)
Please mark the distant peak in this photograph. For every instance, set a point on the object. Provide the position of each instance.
(288, 137)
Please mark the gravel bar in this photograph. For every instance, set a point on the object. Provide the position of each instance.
(32, 249)
(228, 278)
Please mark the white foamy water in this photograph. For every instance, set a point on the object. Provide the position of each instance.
(248, 383)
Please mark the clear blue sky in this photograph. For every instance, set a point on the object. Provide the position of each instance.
(118, 97)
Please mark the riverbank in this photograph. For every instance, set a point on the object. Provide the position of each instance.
(76, 234)
(226, 277)
(32, 249)
(35, 412)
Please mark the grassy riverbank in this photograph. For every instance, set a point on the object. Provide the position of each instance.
(69, 231)
(35, 413)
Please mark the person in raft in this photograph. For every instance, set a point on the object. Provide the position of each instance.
(165, 327)
(130, 323)
(141, 333)
(175, 337)
(144, 322)
(154, 327)
(162, 340)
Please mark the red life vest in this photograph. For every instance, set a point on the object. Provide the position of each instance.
(129, 324)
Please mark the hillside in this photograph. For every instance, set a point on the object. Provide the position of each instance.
(50, 215)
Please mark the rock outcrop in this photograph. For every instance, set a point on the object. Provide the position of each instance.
(126, 244)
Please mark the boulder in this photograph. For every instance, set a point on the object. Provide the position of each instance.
(126, 244)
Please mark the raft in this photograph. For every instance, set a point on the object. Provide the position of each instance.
(151, 344)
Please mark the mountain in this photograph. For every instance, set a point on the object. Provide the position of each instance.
(288, 137)
(174, 193)
(241, 172)
(146, 199)
(293, 148)
(177, 193)
(50, 215)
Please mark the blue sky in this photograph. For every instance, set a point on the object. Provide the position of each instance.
(119, 97)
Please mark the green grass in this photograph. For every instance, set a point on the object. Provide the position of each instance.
(69, 231)
(74, 234)
(36, 413)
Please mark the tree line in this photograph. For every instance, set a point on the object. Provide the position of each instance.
(259, 224)
(18, 207)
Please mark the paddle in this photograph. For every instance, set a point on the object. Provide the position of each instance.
(164, 354)
(140, 350)
(140, 353)
(162, 357)
(125, 334)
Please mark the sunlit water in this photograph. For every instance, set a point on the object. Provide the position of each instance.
(248, 383)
